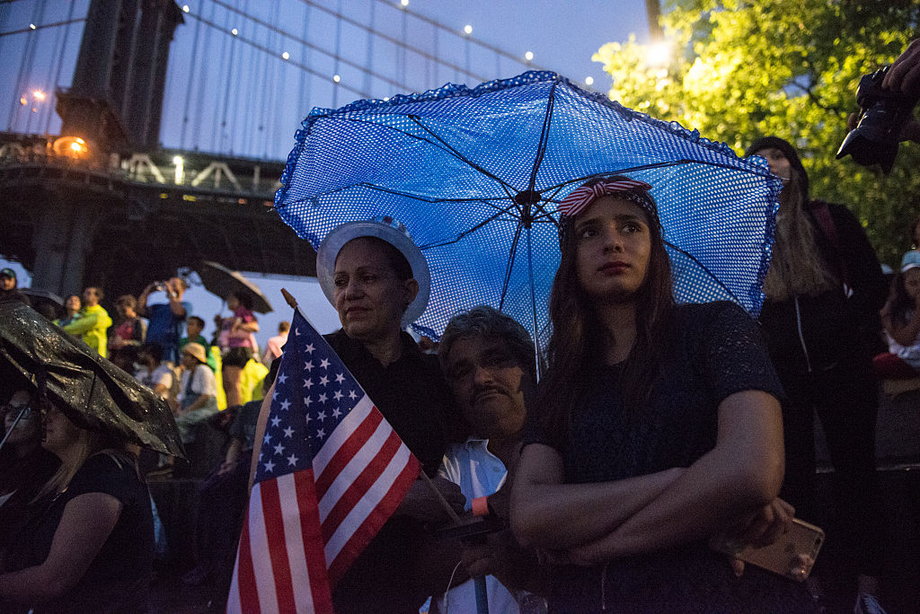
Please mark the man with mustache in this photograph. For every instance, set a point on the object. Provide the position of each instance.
(488, 360)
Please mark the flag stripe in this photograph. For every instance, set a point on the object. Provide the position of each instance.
(337, 438)
(347, 450)
(353, 546)
(361, 483)
(366, 506)
(244, 595)
(260, 545)
(293, 542)
(274, 531)
(313, 542)
(358, 463)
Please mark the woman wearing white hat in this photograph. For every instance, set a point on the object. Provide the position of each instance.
(378, 281)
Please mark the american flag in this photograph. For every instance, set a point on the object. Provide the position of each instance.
(330, 472)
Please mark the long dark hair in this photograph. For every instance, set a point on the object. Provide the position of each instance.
(578, 340)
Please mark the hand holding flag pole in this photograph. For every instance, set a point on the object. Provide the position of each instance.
(329, 471)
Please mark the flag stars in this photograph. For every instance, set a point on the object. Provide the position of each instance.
(309, 349)
(324, 364)
(323, 380)
(296, 332)
(285, 405)
(338, 395)
(308, 366)
(320, 433)
(292, 460)
(288, 432)
(267, 439)
(352, 395)
(336, 413)
(269, 466)
(279, 449)
(276, 421)
(282, 378)
(308, 383)
(339, 378)
(323, 398)
(321, 415)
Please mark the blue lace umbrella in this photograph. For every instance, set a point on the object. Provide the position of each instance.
(475, 175)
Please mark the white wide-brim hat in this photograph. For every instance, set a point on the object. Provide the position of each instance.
(389, 230)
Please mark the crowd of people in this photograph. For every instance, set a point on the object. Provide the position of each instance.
(655, 428)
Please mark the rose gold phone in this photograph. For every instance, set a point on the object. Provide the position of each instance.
(792, 555)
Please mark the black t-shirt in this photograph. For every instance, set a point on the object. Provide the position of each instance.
(718, 352)
(118, 577)
(22, 478)
(414, 398)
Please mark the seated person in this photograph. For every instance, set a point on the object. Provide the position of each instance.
(197, 398)
(91, 550)
(24, 465)
(901, 320)
(195, 326)
(488, 360)
(155, 373)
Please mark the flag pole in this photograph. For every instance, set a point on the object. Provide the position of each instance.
(292, 302)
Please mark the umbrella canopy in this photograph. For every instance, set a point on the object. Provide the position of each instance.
(475, 175)
(33, 294)
(90, 390)
(223, 282)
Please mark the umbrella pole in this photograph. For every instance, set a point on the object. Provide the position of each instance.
(15, 422)
(533, 307)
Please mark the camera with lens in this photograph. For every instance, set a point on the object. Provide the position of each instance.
(882, 116)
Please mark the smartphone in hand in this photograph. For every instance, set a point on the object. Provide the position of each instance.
(792, 555)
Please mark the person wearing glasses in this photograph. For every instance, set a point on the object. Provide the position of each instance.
(24, 465)
(91, 547)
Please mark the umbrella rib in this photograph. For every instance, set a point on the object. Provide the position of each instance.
(544, 136)
(457, 154)
(438, 142)
(705, 268)
(510, 266)
(468, 231)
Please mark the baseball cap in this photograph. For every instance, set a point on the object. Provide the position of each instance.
(8, 273)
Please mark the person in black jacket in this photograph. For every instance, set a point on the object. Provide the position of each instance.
(823, 293)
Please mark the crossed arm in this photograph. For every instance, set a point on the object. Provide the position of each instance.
(597, 522)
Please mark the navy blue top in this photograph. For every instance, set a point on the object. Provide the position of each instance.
(718, 351)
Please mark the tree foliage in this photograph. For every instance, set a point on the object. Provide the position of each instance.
(740, 69)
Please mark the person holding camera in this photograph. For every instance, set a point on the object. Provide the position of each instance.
(823, 292)
(887, 99)
(165, 319)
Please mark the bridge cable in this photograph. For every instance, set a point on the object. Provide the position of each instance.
(60, 62)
